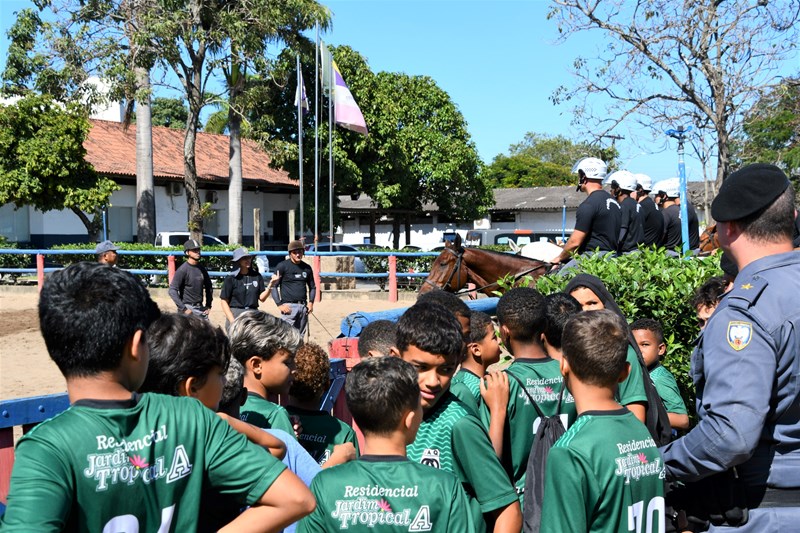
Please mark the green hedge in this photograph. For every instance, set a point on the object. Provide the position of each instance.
(13, 260)
(143, 262)
(651, 284)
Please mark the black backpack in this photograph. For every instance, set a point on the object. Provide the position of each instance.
(549, 431)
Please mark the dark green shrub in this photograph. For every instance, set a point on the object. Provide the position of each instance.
(13, 260)
(651, 284)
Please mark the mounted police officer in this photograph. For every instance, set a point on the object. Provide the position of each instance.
(652, 220)
(598, 219)
(631, 233)
(744, 454)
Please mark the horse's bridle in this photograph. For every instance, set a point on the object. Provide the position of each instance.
(455, 271)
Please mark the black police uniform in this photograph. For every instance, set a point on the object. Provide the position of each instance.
(632, 229)
(652, 221)
(241, 291)
(599, 216)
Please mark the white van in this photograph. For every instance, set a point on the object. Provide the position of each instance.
(177, 238)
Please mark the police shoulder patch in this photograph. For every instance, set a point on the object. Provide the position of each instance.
(739, 334)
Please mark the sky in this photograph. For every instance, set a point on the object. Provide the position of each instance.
(498, 60)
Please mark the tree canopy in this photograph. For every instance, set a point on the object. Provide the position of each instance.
(542, 160)
(771, 131)
(42, 160)
(665, 64)
(418, 149)
(169, 112)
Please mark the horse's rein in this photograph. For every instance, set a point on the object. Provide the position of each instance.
(516, 277)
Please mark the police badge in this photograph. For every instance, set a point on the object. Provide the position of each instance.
(739, 334)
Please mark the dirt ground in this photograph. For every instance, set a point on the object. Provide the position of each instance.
(26, 368)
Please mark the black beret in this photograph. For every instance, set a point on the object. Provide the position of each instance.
(748, 190)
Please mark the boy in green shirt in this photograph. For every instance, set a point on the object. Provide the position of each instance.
(650, 338)
(451, 437)
(521, 313)
(605, 474)
(265, 346)
(483, 350)
(322, 434)
(383, 490)
(118, 461)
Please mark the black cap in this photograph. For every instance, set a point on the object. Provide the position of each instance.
(747, 191)
(191, 244)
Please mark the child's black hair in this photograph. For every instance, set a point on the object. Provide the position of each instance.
(521, 310)
(431, 328)
(378, 336)
(182, 347)
(595, 345)
(710, 293)
(256, 333)
(558, 308)
(379, 391)
(448, 300)
(478, 323)
(311, 373)
(88, 312)
(650, 325)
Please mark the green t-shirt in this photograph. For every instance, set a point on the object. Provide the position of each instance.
(451, 438)
(544, 382)
(667, 388)
(321, 432)
(135, 465)
(604, 474)
(387, 493)
(466, 387)
(632, 389)
(265, 414)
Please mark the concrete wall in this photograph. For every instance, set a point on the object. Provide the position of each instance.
(59, 227)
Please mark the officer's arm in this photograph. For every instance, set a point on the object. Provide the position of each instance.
(175, 287)
(312, 287)
(735, 398)
(574, 241)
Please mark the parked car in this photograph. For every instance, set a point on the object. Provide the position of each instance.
(177, 238)
(358, 264)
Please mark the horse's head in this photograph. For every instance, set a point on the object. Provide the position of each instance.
(709, 241)
(448, 271)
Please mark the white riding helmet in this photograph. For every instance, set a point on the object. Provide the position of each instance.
(626, 181)
(645, 181)
(671, 187)
(592, 167)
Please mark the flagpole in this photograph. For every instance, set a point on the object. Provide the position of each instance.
(316, 141)
(300, 91)
(330, 154)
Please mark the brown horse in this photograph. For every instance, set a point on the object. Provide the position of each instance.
(456, 266)
(709, 240)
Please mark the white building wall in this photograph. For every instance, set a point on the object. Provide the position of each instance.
(545, 221)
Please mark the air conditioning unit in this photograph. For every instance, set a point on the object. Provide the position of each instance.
(482, 223)
(212, 197)
(175, 188)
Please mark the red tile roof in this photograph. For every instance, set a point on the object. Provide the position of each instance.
(112, 151)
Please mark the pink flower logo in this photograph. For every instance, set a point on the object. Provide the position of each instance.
(548, 390)
(384, 505)
(138, 462)
(642, 458)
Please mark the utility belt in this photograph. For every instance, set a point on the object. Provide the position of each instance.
(303, 302)
(723, 500)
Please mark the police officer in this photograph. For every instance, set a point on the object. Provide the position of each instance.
(106, 253)
(243, 289)
(631, 232)
(598, 219)
(652, 221)
(745, 367)
(295, 289)
(669, 193)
